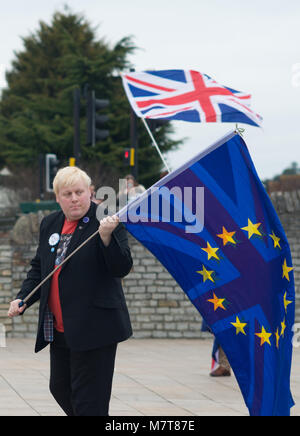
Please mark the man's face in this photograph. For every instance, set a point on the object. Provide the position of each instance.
(74, 200)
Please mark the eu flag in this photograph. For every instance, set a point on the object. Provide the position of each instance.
(214, 228)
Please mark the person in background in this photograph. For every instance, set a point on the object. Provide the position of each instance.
(131, 191)
(93, 195)
(220, 366)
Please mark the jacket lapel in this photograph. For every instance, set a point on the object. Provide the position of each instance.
(50, 254)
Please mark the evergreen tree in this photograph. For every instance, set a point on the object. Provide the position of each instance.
(292, 170)
(36, 109)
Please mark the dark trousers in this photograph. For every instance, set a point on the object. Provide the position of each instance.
(81, 382)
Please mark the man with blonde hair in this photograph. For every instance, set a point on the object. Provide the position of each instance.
(83, 313)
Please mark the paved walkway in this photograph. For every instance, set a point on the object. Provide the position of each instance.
(152, 377)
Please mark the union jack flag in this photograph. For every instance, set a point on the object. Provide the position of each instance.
(188, 96)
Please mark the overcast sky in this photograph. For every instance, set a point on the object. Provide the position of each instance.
(249, 46)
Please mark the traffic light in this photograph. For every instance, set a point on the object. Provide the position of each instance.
(51, 170)
(95, 131)
(129, 157)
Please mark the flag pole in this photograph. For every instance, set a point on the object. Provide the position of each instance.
(24, 300)
(155, 144)
(94, 234)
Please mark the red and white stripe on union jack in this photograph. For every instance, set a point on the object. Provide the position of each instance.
(188, 96)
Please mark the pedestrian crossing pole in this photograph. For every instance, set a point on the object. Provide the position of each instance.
(133, 144)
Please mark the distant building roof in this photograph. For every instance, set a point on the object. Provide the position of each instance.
(286, 182)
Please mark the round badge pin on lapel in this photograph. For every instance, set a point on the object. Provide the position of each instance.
(54, 239)
(85, 219)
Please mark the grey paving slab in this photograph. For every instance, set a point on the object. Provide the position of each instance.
(153, 377)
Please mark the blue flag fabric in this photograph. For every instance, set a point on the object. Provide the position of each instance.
(233, 262)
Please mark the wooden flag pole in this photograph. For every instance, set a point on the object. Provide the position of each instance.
(94, 234)
(62, 263)
(56, 268)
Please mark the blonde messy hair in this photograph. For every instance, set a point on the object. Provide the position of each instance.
(68, 176)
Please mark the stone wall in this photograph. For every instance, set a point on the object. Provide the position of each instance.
(287, 205)
(157, 306)
(10, 199)
(5, 274)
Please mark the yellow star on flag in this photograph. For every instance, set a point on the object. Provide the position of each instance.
(275, 239)
(286, 302)
(252, 229)
(206, 274)
(227, 236)
(211, 251)
(277, 335)
(240, 326)
(283, 327)
(217, 302)
(285, 270)
(264, 336)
